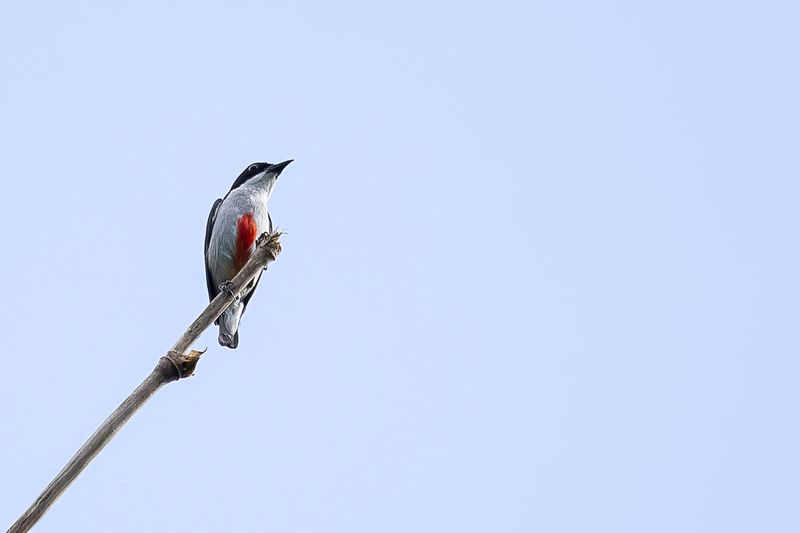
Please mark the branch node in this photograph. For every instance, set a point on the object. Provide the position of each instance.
(184, 363)
(271, 241)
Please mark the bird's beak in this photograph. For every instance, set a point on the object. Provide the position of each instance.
(277, 168)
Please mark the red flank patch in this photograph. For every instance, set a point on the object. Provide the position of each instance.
(245, 237)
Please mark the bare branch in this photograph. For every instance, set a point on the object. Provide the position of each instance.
(176, 364)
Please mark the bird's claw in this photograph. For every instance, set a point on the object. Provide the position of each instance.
(228, 287)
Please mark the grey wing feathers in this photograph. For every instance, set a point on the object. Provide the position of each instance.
(213, 290)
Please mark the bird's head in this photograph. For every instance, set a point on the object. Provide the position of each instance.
(262, 174)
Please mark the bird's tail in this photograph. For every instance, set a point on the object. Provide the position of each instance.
(229, 325)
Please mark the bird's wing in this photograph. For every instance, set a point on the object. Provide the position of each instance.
(246, 297)
(213, 290)
(255, 281)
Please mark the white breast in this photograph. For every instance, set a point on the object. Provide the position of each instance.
(221, 249)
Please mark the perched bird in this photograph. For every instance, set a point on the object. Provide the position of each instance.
(233, 225)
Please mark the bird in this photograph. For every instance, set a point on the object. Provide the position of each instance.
(234, 223)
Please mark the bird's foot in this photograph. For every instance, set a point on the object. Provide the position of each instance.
(229, 287)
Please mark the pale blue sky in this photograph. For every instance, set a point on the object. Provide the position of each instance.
(541, 269)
